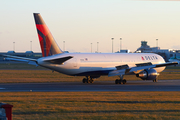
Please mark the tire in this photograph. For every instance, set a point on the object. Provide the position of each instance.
(124, 81)
(155, 80)
(84, 80)
(91, 81)
(120, 81)
(116, 81)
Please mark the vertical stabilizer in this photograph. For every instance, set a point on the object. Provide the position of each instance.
(48, 44)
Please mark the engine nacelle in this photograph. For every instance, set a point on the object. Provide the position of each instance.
(148, 74)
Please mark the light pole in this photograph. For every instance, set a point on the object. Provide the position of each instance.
(31, 45)
(14, 46)
(91, 47)
(97, 46)
(63, 45)
(112, 44)
(156, 42)
(120, 44)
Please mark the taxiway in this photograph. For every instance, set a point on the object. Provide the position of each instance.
(161, 85)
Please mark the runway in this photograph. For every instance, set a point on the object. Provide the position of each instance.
(161, 85)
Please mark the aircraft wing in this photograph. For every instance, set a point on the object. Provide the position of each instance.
(21, 59)
(121, 70)
(175, 60)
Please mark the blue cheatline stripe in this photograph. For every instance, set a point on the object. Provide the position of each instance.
(94, 73)
(44, 41)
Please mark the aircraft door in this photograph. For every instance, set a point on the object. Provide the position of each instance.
(75, 62)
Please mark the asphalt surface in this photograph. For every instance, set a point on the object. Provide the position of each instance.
(161, 85)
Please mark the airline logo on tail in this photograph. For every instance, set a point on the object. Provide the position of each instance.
(48, 45)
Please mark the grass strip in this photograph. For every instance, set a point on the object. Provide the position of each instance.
(93, 105)
(40, 76)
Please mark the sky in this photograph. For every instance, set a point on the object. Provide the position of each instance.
(82, 22)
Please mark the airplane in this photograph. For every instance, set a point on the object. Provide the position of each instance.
(146, 66)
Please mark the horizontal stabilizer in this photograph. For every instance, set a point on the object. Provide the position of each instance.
(21, 59)
(59, 60)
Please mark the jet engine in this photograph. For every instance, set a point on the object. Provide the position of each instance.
(148, 74)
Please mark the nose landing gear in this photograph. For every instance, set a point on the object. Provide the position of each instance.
(155, 80)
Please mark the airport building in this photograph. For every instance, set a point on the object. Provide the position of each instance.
(144, 48)
(165, 53)
(124, 51)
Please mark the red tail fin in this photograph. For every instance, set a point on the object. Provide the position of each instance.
(48, 44)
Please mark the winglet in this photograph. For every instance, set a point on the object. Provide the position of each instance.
(48, 44)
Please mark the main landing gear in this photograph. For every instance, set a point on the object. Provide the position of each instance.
(88, 79)
(155, 80)
(121, 80)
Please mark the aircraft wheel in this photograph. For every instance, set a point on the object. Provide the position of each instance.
(88, 81)
(124, 81)
(84, 80)
(91, 81)
(120, 81)
(155, 80)
(116, 81)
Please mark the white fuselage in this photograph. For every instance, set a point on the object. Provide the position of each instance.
(97, 64)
